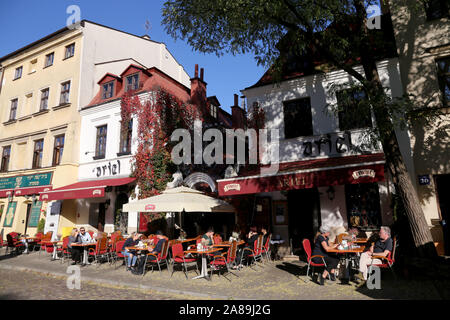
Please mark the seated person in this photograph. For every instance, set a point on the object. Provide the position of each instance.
(157, 249)
(381, 248)
(207, 238)
(321, 247)
(265, 233)
(75, 251)
(243, 254)
(132, 241)
(85, 237)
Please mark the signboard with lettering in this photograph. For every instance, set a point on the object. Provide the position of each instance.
(32, 180)
(424, 180)
(9, 218)
(35, 214)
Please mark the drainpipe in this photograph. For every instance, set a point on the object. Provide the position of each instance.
(1, 77)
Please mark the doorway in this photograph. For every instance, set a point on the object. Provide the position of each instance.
(28, 217)
(304, 214)
(442, 186)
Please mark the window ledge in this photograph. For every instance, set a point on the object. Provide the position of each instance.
(98, 157)
(40, 112)
(24, 118)
(68, 57)
(123, 153)
(9, 122)
(61, 106)
(47, 66)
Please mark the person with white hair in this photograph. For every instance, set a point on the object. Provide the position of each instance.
(381, 248)
(321, 247)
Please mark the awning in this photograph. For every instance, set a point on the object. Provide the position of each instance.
(24, 191)
(309, 174)
(83, 189)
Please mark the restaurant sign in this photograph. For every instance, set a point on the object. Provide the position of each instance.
(363, 173)
(32, 180)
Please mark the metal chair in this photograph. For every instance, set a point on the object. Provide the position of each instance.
(256, 253)
(307, 248)
(100, 251)
(178, 257)
(387, 262)
(220, 262)
(159, 259)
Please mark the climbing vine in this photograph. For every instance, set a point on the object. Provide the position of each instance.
(157, 117)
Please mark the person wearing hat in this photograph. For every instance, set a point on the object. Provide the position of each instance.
(321, 247)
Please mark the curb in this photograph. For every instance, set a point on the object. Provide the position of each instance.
(122, 283)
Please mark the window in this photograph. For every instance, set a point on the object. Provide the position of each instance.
(65, 91)
(6, 153)
(38, 152)
(213, 110)
(354, 111)
(132, 82)
(443, 67)
(70, 51)
(363, 205)
(58, 150)
(297, 118)
(44, 99)
(49, 59)
(18, 73)
(125, 138)
(436, 9)
(100, 146)
(13, 111)
(108, 90)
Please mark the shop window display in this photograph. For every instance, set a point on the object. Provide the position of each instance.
(363, 206)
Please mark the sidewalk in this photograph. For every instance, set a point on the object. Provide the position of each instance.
(275, 281)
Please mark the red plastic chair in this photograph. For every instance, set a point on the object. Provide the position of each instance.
(100, 251)
(45, 241)
(64, 250)
(307, 248)
(118, 252)
(159, 259)
(256, 253)
(387, 262)
(266, 248)
(178, 257)
(222, 262)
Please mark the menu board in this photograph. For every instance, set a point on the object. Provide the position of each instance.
(35, 214)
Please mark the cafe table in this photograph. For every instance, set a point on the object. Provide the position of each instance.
(346, 254)
(85, 247)
(227, 243)
(27, 240)
(55, 246)
(204, 273)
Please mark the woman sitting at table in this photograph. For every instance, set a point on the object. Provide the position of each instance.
(243, 254)
(132, 241)
(321, 247)
(75, 251)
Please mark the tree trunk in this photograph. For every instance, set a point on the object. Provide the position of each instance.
(394, 159)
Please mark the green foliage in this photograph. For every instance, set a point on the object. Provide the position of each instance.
(41, 225)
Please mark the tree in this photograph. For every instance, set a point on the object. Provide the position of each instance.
(337, 31)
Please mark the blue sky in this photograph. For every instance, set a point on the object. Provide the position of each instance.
(22, 22)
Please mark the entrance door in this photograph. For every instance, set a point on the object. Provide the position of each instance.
(28, 217)
(304, 214)
(101, 216)
(442, 188)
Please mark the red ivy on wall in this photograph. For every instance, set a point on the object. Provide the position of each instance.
(157, 118)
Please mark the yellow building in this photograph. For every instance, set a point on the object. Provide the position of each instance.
(42, 88)
(422, 34)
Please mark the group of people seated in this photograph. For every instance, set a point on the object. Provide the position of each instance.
(78, 237)
(322, 245)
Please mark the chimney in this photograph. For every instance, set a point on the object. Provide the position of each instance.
(198, 89)
(237, 114)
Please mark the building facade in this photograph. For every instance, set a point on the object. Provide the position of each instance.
(328, 174)
(422, 36)
(44, 86)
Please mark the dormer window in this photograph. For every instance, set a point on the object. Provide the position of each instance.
(132, 82)
(108, 90)
(213, 110)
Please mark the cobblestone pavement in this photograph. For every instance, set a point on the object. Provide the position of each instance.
(275, 280)
(36, 286)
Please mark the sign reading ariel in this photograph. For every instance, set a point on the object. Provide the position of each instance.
(32, 180)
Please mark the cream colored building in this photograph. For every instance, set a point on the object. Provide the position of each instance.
(423, 42)
(42, 88)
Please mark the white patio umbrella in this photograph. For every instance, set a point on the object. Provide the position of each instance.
(177, 200)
